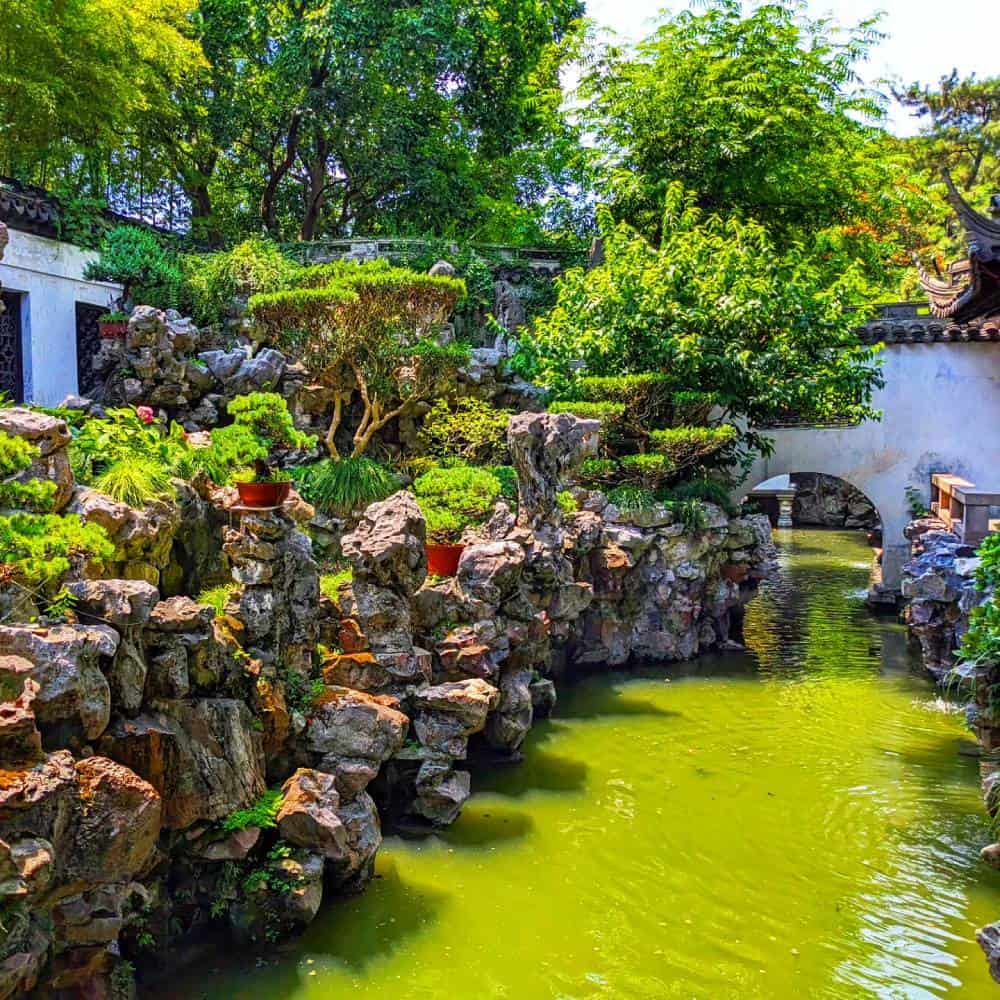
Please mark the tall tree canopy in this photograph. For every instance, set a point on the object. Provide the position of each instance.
(759, 112)
(302, 117)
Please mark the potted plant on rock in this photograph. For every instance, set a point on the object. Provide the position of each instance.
(113, 325)
(266, 487)
(452, 500)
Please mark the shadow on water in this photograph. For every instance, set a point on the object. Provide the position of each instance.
(366, 929)
(486, 826)
(540, 770)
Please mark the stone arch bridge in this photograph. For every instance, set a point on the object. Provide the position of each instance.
(941, 413)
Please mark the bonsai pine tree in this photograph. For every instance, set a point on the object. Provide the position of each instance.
(371, 330)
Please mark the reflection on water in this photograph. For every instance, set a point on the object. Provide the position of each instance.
(792, 822)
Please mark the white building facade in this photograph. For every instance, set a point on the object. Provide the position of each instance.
(48, 329)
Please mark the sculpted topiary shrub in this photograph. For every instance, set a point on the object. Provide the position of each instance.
(371, 331)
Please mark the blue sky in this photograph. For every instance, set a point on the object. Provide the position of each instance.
(927, 37)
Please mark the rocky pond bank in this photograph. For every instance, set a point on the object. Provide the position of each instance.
(165, 767)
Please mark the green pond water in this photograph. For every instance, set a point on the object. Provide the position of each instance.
(797, 821)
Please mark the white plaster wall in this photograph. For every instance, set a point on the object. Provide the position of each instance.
(51, 274)
(941, 412)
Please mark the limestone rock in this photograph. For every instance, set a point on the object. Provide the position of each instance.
(989, 940)
(364, 837)
(490, 572)
(546, 448)
(181, 614)
(353, 724)
(441, 792)
(308, 815)
(115, 602)
(73, 699)
(203, 757)
(387, 546)
(119, 823)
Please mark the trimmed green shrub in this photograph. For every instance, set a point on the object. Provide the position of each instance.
(134, 258)
(369, 330)
(232, 451)
(266, 415)
(597, 471)
(687, 447)
(646, 398)
(607, 411)
(344, 485)
(453, 499)
(650, 470)
(16, 455)
(471, 431)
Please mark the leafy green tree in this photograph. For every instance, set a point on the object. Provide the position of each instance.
(77, 76)
(717, 305)
(759, 112)
(960, 131)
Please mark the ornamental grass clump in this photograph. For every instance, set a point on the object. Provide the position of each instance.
(345, 485)
(455, 498)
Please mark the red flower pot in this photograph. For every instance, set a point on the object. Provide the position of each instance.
(113, 331)
(442, 560)
(263, 494)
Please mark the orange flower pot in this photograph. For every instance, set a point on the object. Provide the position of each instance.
(263, 494)
(442, 560)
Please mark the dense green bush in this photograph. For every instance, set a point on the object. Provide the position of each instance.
(597, 471)
(629, 498)
(603, 410)
(455, 498)
(37, 549)
(135, 259)
(213, 282)
(651, 470)
(345, 485)
(470, 430)
(716, 304)
(646, 397)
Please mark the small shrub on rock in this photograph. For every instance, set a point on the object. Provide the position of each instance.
(453, 499)
(688, 447)
(265, 414)
(16, 455)
(37, 550)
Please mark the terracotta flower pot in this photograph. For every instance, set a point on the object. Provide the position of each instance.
(113, 331)
(442, 560)
(263, 494)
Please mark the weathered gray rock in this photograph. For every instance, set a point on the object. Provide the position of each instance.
(546, 448)
(73, 701)
(356, 725)
(387, 546)
(989, 940)
(204, 758)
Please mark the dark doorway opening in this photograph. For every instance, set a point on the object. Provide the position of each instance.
(88, 343)
(11, 361)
